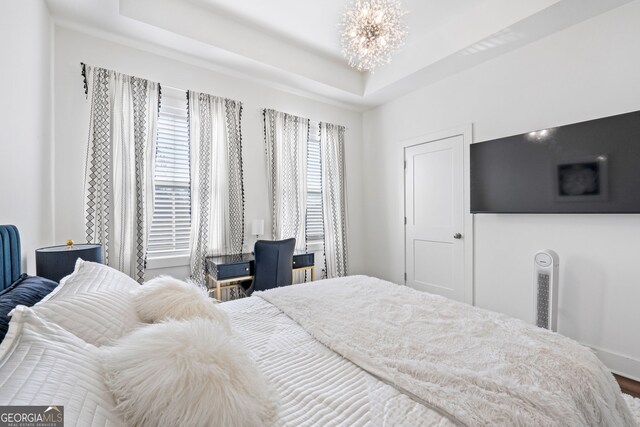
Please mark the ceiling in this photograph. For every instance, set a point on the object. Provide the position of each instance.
(315, 24)
(294, 44)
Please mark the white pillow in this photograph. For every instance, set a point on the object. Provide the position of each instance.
(165, 297)
(90, 277)
(189, 373)
(98, 318)
(42, 364)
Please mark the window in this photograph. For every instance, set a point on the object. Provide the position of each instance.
(315, 225)
(171, 226)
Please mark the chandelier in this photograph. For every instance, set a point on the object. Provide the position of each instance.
(372, 30)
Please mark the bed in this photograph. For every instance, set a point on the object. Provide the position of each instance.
(479, 367)
(354, 351)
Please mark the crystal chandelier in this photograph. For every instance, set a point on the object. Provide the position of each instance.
(372, 30)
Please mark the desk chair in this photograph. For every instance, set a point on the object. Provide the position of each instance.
(273, 259)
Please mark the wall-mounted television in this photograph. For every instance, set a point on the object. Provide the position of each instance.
(587, 167)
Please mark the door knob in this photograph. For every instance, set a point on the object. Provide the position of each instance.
(457, 236)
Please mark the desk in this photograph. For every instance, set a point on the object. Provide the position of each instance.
(226, 270)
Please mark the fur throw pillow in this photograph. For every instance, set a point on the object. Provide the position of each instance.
(186, 373)
(165, 297)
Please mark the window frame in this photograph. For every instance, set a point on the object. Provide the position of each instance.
(314, 138)
(174, 101)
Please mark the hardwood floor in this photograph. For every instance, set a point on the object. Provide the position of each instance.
(628, 386)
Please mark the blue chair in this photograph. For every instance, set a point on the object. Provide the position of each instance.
(273, 265)
(10, 268)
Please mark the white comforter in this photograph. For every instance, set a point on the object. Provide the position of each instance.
(473, 366)
(316, 386)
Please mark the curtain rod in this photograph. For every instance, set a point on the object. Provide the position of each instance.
(83, 72)
(86, 92)
(175, 88)
(264, 111)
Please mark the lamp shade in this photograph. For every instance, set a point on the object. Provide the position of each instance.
(56, 262)
(257, 227)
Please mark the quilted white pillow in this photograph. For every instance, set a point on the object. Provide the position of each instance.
(42, 364)
(187, 373)
(90, 277)
(98, 318)
(165, 297)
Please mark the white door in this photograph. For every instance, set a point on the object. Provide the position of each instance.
(434, 209)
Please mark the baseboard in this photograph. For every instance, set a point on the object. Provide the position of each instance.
(628, 386)
(622, 365)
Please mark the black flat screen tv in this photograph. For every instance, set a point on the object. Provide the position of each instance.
(587, 167)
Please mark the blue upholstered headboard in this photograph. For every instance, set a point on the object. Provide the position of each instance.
(9, 255)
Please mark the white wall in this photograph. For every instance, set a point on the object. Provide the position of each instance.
(25, 131)
(71, 119)
(588, 71)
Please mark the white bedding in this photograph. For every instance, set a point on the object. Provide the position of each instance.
(477, 367)
(42, 364)
(318, 387)
(315, 384)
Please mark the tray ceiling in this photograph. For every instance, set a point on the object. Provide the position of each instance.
(294, 44)
(316, 23)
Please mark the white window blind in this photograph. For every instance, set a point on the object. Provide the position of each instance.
(315, 225)
(171, 224)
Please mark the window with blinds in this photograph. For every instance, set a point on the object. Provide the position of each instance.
(315, 225)
(171, 224)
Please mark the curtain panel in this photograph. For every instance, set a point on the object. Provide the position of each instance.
(217, 188)
(118, 188)
(286, 139)
(334, 200)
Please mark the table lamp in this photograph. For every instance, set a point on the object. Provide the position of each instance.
(56, 262)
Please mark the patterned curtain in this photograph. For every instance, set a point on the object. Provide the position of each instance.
(286, 139)
(334, 199)
(119, 167)
(217, 189)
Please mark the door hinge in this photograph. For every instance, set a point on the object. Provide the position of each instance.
(405, 164)
(405, 220)
(405, 277)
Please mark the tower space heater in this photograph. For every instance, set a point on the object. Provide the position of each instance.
(546, 289)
